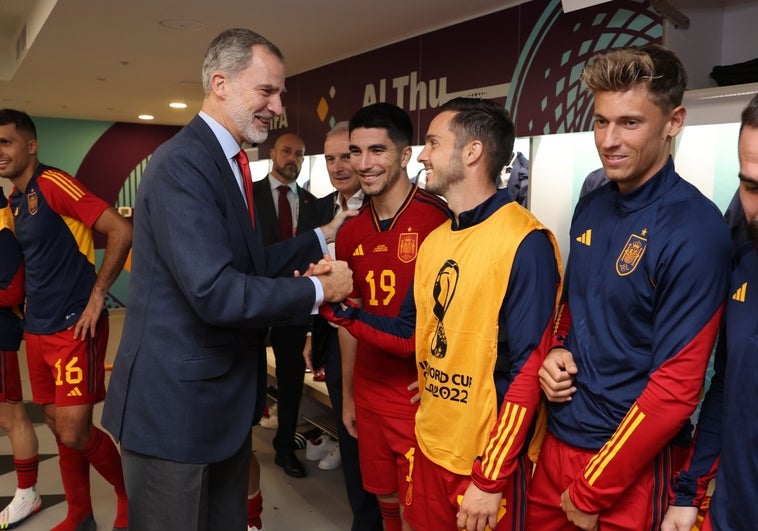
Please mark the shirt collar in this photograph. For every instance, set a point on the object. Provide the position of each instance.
(274, 184)
(482, 211)
(650, 191)
(224, 137)
(353, 202)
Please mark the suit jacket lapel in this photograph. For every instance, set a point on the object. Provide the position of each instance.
(253, 240)
(306, 211)
(266, 210)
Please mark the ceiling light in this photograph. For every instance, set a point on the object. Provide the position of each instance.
(146, 117)
(177, 105)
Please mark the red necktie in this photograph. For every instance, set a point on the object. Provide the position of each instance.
(285, 213)
(247, 182)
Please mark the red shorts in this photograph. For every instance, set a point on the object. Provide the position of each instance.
(641, 506)
(385, 445)
(10, 377)
(65, 371)
(437, 494)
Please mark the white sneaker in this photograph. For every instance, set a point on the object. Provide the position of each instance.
(331, 460)
(272, 421)
(25, 503)
(318, 450)
(253, 528)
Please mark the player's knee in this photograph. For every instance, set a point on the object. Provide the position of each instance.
(73, 438)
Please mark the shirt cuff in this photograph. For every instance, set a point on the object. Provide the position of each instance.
(321, 240)
(319, 295)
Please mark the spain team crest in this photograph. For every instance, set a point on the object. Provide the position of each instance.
(407, 247)
(631, 255)
(31, 202)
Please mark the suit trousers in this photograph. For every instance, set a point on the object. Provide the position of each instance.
(365, 508)
(287, 343)
(192, 497)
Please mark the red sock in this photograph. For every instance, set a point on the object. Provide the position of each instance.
(26, 471)
(75, 479)
(254, 510)
(104, 456)
(391, 516)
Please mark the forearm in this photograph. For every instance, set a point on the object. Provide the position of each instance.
(117, 245)
(114, 258)
(393, 335)
(660, 411)
(508, 437)
(690, 484)
(294, 254)
(527, 315)
(348, 350)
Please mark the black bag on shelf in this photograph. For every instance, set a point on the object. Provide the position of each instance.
(735, 74)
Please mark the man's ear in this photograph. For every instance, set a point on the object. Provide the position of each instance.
(676, 121)
(219, 84)
(406, 156)
(472, 152)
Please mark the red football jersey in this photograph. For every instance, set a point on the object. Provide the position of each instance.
(383, 263)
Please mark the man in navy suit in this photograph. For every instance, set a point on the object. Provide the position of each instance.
(287, 157)
(189, 378)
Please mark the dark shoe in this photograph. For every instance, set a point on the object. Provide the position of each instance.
(88, 524)
(291, 465)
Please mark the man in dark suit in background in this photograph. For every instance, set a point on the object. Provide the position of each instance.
(285, 209)
(190, 373)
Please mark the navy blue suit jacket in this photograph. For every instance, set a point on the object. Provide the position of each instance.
(189, 377)
(266, 210)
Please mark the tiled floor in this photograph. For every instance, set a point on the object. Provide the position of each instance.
(314, 503)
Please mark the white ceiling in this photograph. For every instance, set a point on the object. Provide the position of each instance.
(112, 60)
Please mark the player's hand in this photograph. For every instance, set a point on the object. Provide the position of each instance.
(479, 509)
(322, 268)
(308, 353)
(348, 415)
(330, 229)
(582, 520)
(557, 375)
(338, 282)
(417, 395)
(679, 518)
(87, 323)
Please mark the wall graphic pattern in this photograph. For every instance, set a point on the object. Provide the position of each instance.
(527, 58)
(546, 96)
(111, 169)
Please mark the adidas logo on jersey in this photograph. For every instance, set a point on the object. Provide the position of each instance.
(585, 237)
(358, 250)
(739, 295)
(74, 392)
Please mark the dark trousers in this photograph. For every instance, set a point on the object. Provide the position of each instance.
(288, 343)
(366, 515)
(191, 497)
